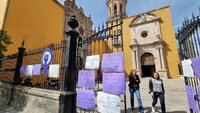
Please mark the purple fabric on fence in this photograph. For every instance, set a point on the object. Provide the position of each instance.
(23, 70)
(86, 99)
(113, 62)
(196, 66)
(36, 69)
(114, 83)
(191, 101)
(86, 78)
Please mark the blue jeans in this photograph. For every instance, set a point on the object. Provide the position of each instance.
(137, 93)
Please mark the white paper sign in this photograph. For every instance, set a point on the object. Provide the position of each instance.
(187, 68)
(29, 70)
(54, 70)
(92, 62)
(108, 103)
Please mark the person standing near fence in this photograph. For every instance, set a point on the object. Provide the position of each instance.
(157, 90)
(134, 87)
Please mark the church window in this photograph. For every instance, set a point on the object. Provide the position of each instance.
(144, 34)
(115, 10)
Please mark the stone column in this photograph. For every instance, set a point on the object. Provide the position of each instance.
(137, 58)
(111, 11)
(118, 9)
(162, 58)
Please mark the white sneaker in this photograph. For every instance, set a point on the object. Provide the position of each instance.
(153, 109)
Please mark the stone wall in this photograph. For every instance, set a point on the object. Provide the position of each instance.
(31, 100)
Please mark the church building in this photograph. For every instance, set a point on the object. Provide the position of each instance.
(40, 22)
(148, 39)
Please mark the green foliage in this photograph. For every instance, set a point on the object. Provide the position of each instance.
(5, 40)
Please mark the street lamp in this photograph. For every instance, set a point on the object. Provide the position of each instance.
(68, 96)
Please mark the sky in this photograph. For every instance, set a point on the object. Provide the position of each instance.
(179, 9)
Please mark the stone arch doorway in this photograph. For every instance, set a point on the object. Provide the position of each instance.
(147, 64)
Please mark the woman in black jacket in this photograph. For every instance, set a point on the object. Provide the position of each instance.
(135, 88)
(157, 91)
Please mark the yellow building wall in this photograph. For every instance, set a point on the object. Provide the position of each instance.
(39, 22)
(3, 6)
(168, 35)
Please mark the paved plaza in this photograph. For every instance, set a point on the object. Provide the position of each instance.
(176, 101)
(175, 97)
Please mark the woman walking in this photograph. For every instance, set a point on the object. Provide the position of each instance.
(135, 88)
(157, 91)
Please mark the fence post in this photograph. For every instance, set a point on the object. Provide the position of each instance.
(68, 96)
(16, 80)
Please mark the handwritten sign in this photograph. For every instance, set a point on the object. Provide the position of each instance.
(191, 101)
(107, 103)
(187, 68)
(114, 83)
(92, 62)
(86, 99)
(113, 62)
(23, 70)
(29, 70)
(54, 70)
(36, 69)
(86, 78)
(196, 66)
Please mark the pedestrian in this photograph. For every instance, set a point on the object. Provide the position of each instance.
(134, 87)
(157, 90)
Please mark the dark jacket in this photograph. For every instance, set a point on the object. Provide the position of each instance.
(134, 81)
(151, 86)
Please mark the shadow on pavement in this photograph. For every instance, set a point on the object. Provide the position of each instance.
(148, 110)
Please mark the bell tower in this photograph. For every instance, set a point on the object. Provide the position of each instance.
(116, 8)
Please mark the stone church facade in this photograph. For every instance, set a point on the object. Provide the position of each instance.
(149, 40)
(85, 22)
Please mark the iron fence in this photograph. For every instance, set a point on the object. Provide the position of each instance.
(32, 57)
(189, 46)
(105, 39)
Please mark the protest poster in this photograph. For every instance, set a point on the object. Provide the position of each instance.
(36, 69)
(196, 66)
(114, 83)
(54, 70)
(86, 78)
(92, 62)
(29, 70)
(187, 68)
(23, 70)
(191, 100)
(108, 103)
(86, 99)
(113, 62)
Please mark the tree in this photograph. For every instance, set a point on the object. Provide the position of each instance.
(5, 40)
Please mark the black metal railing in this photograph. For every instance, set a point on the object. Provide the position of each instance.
(32, 57)
(105, 39)
(189, 47)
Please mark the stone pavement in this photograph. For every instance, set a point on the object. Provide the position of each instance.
(176, 101)
(175, 97)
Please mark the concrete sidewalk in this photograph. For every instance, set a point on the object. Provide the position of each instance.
(176, 101)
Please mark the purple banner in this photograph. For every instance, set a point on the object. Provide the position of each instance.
(113, 63)
(23, 70)
(86, 78)
(86, 99)
(196, 66)
(114, 83)
(36, 69)
(191, 101)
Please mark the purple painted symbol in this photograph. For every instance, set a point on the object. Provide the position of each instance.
(46, 57)
(46, 60)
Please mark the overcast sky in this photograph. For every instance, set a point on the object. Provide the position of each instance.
(179, 9)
